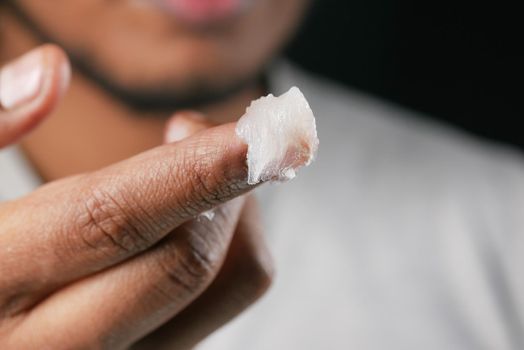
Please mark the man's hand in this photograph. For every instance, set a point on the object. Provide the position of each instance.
(101, 260)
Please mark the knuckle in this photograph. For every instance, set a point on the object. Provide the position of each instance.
(191, 261)
(105, 226)
(201, 256)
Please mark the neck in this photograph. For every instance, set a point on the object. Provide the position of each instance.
(91, 129)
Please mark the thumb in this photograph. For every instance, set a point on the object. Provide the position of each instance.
(30, 88)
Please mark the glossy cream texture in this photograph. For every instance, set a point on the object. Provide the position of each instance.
(281, 136)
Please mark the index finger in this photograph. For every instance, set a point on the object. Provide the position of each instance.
(84, 224)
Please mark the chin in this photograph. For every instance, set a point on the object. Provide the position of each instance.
(171, 88)
(174, 66)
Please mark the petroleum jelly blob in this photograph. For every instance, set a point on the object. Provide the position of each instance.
(281, 135)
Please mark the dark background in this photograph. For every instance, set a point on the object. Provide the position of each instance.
(454, 61)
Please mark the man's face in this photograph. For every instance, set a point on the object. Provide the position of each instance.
(175, 49)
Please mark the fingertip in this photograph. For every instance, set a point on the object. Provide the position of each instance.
(219, 148)
(56, 78)
(221, 151)
(30, 88)
(60, 68)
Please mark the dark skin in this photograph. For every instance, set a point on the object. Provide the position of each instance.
(113, 255)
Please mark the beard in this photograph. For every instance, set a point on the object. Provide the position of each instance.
(165, 97)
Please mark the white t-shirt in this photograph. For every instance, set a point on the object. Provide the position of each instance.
(403, 234)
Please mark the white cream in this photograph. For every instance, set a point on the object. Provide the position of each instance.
(281, 136)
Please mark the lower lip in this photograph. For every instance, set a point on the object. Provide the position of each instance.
(202, 12)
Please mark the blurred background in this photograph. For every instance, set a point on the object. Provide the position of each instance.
(454, 61)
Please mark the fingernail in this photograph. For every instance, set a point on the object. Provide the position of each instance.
(21, 80)
(176, 132)
(184, 124)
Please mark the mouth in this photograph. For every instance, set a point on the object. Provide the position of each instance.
(203, 12)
